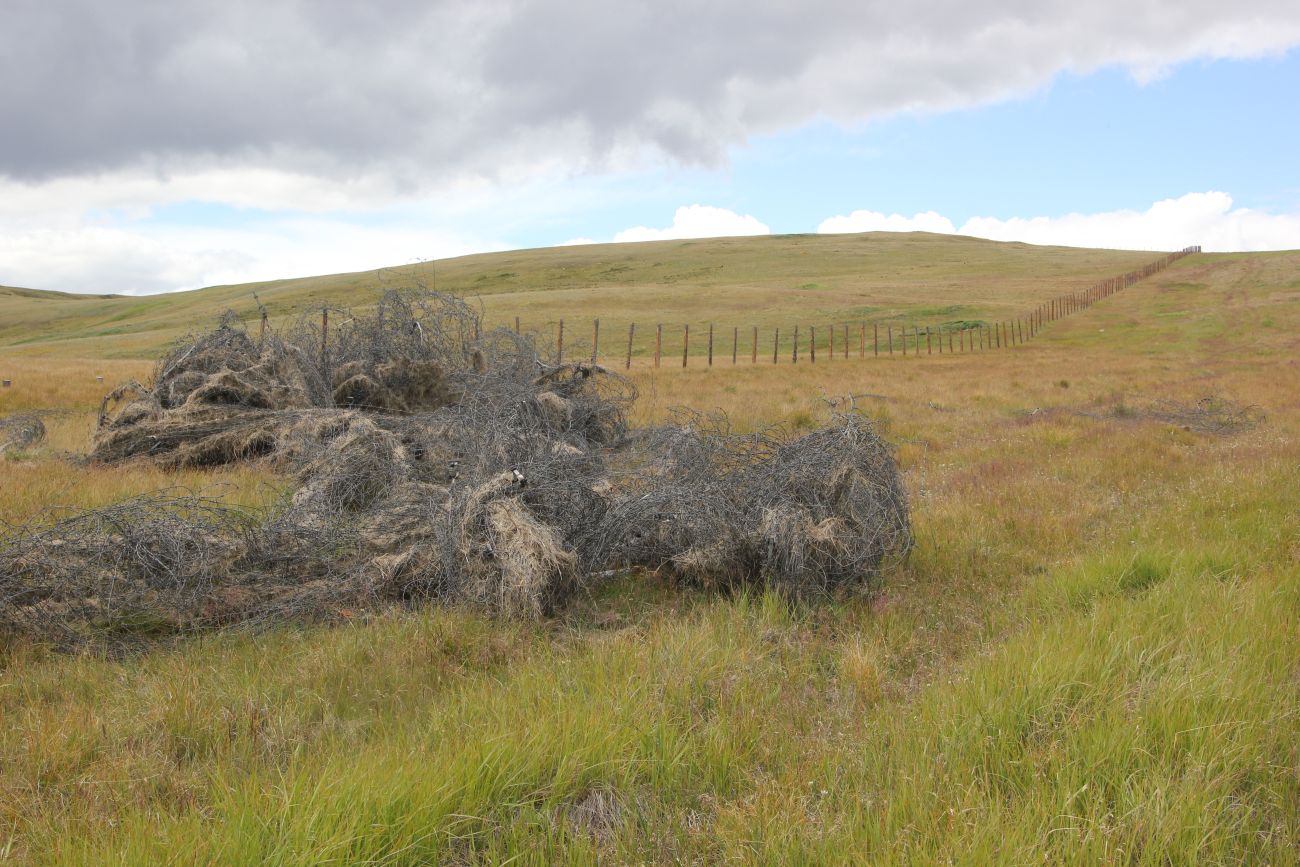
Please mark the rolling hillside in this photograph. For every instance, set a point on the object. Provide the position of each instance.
(736, 281)
(1090, 655)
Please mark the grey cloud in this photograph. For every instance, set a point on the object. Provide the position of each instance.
(432, 90)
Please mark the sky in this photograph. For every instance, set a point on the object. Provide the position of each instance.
(149, 147)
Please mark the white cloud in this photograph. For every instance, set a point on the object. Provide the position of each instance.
(138, 261)
(874, 221)
(577, 242)
(426, 93)
(698, 221)
(135, 232)
(1207, 219)
(135, 193)
(101, 259)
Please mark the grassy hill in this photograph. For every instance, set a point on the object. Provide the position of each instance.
(764, 281)
(1091, 656)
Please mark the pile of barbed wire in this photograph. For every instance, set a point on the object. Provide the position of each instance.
(1209, 415)
(20, 431)
(433, 459)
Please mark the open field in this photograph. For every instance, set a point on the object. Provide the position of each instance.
(743, 282)
(1092, 655)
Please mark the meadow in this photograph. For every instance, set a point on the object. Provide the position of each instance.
(1091, 656)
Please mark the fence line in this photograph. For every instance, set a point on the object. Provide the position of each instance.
(1003, 334)
(916, 340)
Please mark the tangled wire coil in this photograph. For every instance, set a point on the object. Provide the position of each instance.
(432, 458)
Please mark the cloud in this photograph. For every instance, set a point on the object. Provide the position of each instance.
(425, 94)
(874, 221)
(698, 221)
(135, 193)
(144, 260)
(1207, 219)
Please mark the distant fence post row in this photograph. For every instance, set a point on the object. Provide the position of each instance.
(889, 339)
(907, 340)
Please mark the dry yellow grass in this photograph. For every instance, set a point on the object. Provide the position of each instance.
(1089, 658)
(743, 282)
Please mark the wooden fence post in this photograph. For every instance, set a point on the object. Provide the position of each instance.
(710, 344)
(753, 347)
(686, 343)
(559, 344)
(631, 330)
(659, 341)
(846, 339)
(929, 350)
(950, 341)
(794, 353)
(875, 339)
(812, 343)
(735, 343)
(595, 339)
(776, 341)
(890, 330)
(324, 337)
(517, 331)
(831, 353)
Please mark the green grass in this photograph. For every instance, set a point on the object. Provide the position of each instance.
(733, 282)
(1092, 656)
